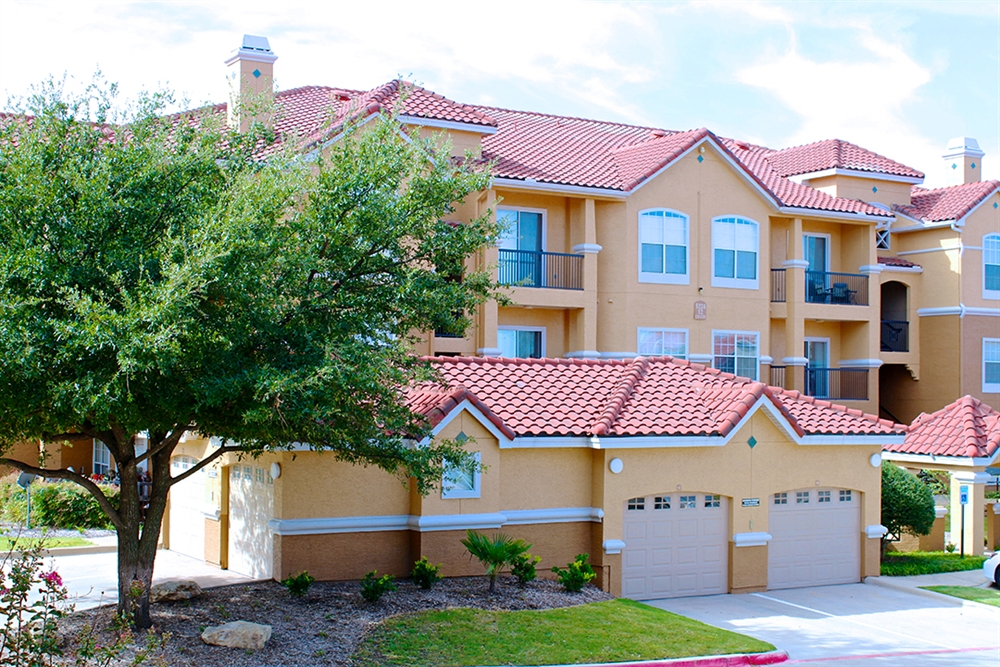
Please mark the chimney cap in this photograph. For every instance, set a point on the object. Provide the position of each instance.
(253, 48)
(963, 147)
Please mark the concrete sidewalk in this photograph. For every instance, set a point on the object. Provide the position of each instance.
(914, 584)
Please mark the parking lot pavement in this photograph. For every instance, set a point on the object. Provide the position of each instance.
(856, 624)
(92, 579)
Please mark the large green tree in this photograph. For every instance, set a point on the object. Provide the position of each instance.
(158, 276)
(907, 504)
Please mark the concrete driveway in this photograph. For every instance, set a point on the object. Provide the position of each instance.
(858, 624)
(92, 579)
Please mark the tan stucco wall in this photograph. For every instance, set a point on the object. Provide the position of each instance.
(26, 452)
(974, 329)
(851, 187)
(555, 322)
(939, 384)
(343, 556)
(984, 220)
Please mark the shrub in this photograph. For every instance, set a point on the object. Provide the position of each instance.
(374, 587)
(950, 547)
(299, 584)
(576, 575)
(523, 567)
(68, 505)
(424, 574)
(907, 504)
(13, 501)
(495, 553)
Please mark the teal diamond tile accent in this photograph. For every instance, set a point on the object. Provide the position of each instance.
(461, 438)
(701, 159)
(954, 166)
(874, 189)
(973, 165)
(752, 441)
(256, 74)
(996, 205)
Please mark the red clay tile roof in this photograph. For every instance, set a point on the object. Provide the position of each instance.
(966, 428)
(891, 260)
(644, 396)
(416, 101)
(943, 204)
(835, 154)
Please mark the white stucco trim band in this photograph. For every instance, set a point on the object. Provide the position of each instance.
(855, 173)
(612, 547)
(424, 524)
(961, 310)
(751, 539)
(447, 124)
(924, 459)
(875, 531)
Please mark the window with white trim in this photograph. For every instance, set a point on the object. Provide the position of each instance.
(661, 502)
(689, 502)
(801, 497)
(461, 481)
(991, 266)
(521, 342)
(822, 496)
(781, 499)
(660, 342)
(846, 496)
(735, 249)
(713, 501)
(991, 365)
(636, 504)
(102, 458)
(663, 247)
(736, 352)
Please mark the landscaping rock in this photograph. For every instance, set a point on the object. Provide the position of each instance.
(171, 591)
(238, 634)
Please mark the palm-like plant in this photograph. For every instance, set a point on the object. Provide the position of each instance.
(495, 553)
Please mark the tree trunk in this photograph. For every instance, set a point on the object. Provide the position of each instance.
(138, 538)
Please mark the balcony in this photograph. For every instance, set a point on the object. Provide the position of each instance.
(528, 268)
(895, 336)
(841, 384)
(777, 378)
(838, 288)
(777, 286)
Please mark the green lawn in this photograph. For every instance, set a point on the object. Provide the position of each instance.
(614, 631)
(47, 542)
(989, 595)
(927, 562)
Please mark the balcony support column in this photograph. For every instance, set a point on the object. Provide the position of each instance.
(583, 335)
(487, 319)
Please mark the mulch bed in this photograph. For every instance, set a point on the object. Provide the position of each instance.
(325, 626)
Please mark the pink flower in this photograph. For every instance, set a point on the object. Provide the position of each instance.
(53, 578)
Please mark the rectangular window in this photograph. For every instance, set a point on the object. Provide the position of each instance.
(781, 499)
(637, 503)
(991, 266)
(991, 365)
(461, 481)
(521, 342)
(736, 352)
(735, 243)
(247, 473)
(845, 496)
(661, 502)
(712, 501)
(689, 502)
(801, 497)
(823, 496)
(102, 458)
(663, 247)
(260, 475)
(660, 342)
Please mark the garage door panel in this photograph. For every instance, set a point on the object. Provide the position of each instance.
(675, 549)
(813, 543)
(251, 506)
(186, 531)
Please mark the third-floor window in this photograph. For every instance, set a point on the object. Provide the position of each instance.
(991, 266)
(663, 247)
(735, 249)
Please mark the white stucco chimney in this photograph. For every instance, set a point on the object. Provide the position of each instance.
(251, 74)
(964, 159)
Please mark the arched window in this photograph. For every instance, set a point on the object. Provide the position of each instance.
(735, 252)
(991, 266)
(663, 247)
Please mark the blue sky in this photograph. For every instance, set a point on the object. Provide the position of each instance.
(898, 78)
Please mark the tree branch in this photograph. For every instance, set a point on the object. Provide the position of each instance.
(201, 464)
(82, 480)
(169, 441)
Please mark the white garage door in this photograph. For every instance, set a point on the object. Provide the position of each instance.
(251, 506)
(675, 545)
(815, 538)
(187, 505)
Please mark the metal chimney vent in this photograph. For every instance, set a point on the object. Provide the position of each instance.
(255, 43)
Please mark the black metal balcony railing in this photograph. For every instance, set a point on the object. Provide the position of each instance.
(895, 336)
(777, 378)
(528, 268)
(777, 285)
(837, 383)
(842, 288)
